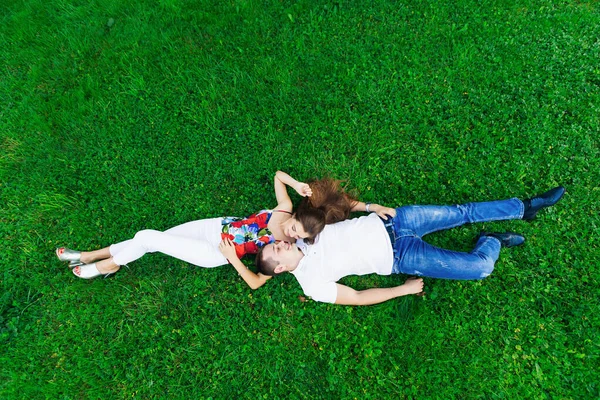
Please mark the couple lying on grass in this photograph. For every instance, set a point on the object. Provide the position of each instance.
(319, 246)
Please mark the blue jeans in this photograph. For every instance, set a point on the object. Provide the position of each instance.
(413, 256)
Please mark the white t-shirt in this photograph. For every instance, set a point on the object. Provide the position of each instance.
(357, 246)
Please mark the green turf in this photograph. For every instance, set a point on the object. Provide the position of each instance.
(122, 115)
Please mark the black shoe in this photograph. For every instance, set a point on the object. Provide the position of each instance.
(535, 204)
(507, 239)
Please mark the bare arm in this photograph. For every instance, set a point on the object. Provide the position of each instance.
(253, 280)
(382, 211)
(350, 297)
(280, 182)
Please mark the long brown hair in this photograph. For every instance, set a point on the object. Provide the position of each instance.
(328, 204)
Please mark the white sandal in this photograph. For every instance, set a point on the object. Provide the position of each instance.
(88, 271)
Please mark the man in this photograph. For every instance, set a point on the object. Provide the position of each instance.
(369, 244)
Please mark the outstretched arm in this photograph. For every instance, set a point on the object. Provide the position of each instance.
(253, 280)
(283, 199)
(382, 211)
(350, 297)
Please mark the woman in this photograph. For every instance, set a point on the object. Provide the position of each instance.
(208, 242)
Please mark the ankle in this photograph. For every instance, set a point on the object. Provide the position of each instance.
(86, 257)
(528, 213)
(107, 266)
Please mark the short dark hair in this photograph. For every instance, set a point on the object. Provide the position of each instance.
(265, 266)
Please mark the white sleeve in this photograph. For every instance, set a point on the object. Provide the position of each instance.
(325, 292)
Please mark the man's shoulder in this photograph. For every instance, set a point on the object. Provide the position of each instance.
(309, 272)
(314, 284)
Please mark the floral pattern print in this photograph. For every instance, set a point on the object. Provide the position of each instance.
(248, 234)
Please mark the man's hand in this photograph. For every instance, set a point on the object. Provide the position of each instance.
(413, 285)
(303, 189)
(350, 297)
(227, 248)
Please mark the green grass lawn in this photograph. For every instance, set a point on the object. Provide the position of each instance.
(118, 116)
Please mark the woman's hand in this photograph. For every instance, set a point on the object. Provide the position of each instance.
(227, 248)
(253, 280)
(303, 189)
(280, 183)
(382, 211)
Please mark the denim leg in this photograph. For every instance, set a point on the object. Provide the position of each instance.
(416, 257)
(421, 220)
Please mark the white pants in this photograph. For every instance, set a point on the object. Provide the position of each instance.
(195, 242)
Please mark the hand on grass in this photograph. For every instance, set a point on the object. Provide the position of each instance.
(413, 285)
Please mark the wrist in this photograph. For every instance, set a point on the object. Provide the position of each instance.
(402, 290)
(368, 207)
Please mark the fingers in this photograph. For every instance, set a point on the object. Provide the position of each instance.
(227, 248)
(419, 284)
(307, 191)
(387, 212)
(416, 281)
(303, 189)
(390, 211)
(225, 243)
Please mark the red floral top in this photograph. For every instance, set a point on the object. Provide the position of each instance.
(249, 234)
